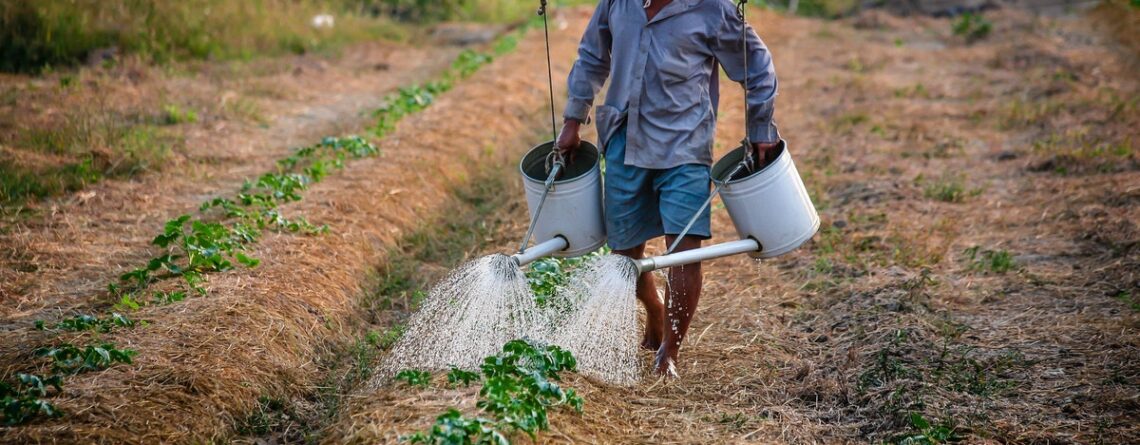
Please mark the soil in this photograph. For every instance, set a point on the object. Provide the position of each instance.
(953, 278)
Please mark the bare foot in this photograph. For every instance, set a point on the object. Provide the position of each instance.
(650, 342)
(666, 364)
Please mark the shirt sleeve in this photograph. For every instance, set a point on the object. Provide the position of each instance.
(592, 67)
(729, 49)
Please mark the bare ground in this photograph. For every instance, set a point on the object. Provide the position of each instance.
(916, 146)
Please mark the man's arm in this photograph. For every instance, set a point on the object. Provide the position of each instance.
(588, 75)
(593, 65)
(729, 49)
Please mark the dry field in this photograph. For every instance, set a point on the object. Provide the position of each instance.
(978, 265)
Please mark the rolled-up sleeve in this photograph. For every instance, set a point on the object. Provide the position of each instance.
(592, 67)
(729, 49)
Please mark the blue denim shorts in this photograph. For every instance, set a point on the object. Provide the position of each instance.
(643, 203)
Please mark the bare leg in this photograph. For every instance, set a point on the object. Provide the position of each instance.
(681, 304)
(647, 294)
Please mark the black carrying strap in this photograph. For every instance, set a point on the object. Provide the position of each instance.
(748, 161)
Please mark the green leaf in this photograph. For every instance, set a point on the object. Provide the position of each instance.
(247, 261)
(919, 422)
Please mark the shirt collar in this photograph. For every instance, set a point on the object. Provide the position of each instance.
(674, 8)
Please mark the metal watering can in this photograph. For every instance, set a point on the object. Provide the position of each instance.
(769, 207)
(565, 203)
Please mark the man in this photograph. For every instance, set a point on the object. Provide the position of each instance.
(656, 128)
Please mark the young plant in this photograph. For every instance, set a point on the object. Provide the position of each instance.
(85, 322)
(990, 261)
(67, 358)
(415, 377)
(23, 400)
(546, 275)
(519, 385)
(456, 377)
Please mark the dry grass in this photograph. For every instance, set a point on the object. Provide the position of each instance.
(882, 317)
(885, 315)
(204, 364)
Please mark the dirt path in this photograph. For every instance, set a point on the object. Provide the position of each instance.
(917, 148)
(61, 259)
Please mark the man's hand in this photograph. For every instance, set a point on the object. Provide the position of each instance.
(764, 153)
(568, 140)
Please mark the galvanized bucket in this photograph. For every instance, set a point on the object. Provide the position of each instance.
(573, 208)
(771, 205)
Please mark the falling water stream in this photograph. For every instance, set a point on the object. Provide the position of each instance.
(487, 302)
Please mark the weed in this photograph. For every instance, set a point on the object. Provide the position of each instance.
(959, 372)
(174, 115)
(825, 8)
(388, 338)
(244, 109)
(93, 145)
(735, 421)
(414, 377)
(888, 365)
(972, 27)
(270, 415)
(1129, 300)
(945, 190)
(927, 433)
(1020, 113)
(918, 90)
(848, 121)
(990, 261)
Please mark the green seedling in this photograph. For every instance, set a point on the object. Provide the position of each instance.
(456, 377)
(67, 358)
(415, 377)
(519, 385)
(86, 322)
(23, 400)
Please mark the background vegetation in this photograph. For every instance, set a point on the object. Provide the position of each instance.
(39, 34)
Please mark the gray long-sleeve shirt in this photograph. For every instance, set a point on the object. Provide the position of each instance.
(661, 71)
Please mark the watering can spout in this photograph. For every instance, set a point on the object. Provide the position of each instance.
(545, 248)
(696, 255)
